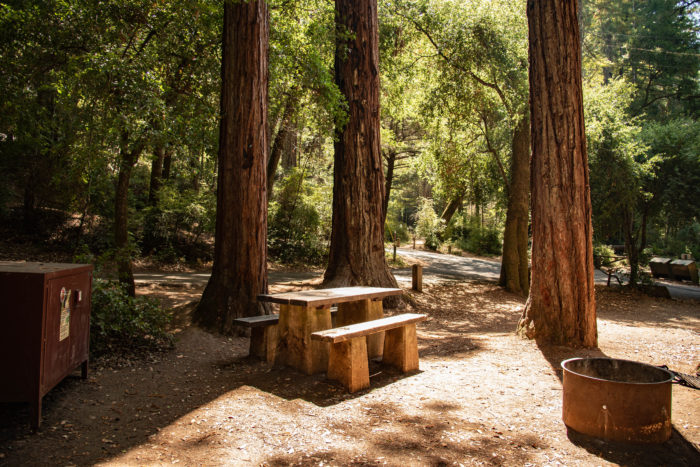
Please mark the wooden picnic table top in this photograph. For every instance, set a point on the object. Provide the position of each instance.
(321, 297)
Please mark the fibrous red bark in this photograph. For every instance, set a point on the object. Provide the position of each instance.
(239, 272)
(515, 260)
(357, 236)
(561, 306)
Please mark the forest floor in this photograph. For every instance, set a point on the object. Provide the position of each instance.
(483, 396)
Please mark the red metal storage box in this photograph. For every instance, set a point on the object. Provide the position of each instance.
(44, 328)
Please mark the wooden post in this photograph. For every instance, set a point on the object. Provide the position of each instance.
(417, 278)
(394, 252)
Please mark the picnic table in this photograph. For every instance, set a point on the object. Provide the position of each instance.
(307, 311)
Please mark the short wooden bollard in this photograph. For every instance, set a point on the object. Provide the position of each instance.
(417, 278)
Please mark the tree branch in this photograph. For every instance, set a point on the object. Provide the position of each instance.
(457, 66)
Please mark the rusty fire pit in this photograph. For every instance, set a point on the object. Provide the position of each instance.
(618, 400)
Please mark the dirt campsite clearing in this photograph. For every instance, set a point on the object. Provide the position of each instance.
(483, 396)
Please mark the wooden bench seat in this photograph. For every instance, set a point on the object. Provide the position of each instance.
(348, 360)
(263, 335)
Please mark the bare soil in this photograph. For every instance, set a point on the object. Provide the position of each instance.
(483, 396)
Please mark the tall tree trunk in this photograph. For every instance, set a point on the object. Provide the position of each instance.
(156, 175)
(451, 208)
(357, 235)
(631, 245)
(167, 164)
(514, 265)
(239, 272)
(561, 306)
(129, 157)
(276, 150)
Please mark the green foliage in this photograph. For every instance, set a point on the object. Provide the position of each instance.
(120, 322)
(469, 235)
(674, 151)
(653, 44)
(603, 255)
(173, 228)
(428, 225)
(298, 226)
(685, 240)
(396, 230)
(615, 154)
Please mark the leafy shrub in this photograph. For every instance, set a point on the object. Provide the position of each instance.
(429, 225)
(470, 236)
(174, 227)
(602, 255)
(395, 230)
(121, 322)
(685, 240)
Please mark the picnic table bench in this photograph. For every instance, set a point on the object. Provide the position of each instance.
(348, 359)
(305, 312)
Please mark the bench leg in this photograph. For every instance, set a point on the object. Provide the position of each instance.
(347, 363)
(401, 348)
(263, 342)
(257, 342)
(359, 312)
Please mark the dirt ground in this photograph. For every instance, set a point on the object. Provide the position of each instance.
(483, 396)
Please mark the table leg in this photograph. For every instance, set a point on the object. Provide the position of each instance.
(359, 312)
(295, 347)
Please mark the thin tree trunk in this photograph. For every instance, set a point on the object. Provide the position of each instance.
(357, 235)
(390, 164)
(167, 163)
(515, 261)
(561, 306)
(276, 150)
(451, 208)
(129, 157)
(631, 246)
(156, 175)
(239, 272)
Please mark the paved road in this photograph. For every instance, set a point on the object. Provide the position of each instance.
(437, 268)
(451, 267)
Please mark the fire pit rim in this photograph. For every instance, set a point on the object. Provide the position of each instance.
(668, 373)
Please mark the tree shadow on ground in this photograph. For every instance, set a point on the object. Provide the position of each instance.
(614, 307)
(83, 424)
(676, 451)
(437, 436)
(290, 384)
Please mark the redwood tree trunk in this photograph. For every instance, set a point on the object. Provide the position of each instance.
(239, 272)
(514, 265)
(121, 215)
(357, 236)
(561, 306)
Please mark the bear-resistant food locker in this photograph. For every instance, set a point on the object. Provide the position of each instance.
(44, 328)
